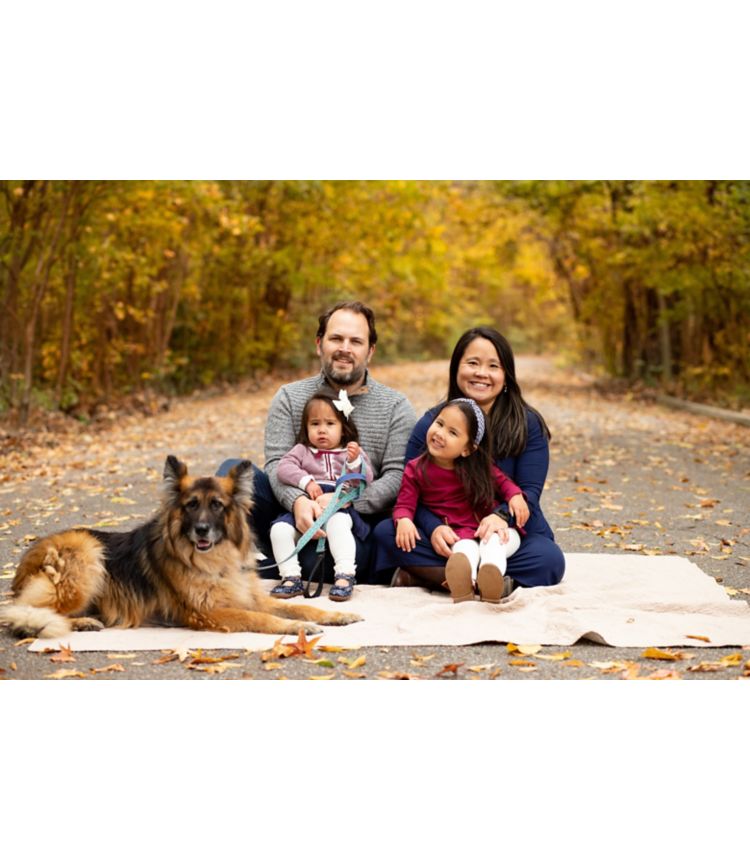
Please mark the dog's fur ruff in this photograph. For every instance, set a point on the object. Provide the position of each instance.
(183, 567)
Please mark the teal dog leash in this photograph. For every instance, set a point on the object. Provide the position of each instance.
(338, 501)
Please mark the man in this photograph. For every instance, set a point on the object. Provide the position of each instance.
(345, 343)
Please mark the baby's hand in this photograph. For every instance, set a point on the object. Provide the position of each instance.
(352, 452)
(520, 510)
(406, 534)
(313, 490)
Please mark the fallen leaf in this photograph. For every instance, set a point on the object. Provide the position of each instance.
(664, 675)
(354, 664)
(302, 647)
(484, 668)
(353, 674)
(421, 659)
(526, 650)
(699, 638)
(199, 658)
(706, 666)
(214, 668)
(26, 641)
(269, 667)
(573, 664)
(731, 659)
(65, 673)
(632, 671)
(322, 677)
(398, 676)
(323, 661)
(332, 648)
(64, 656)
(113, 667)
(129, 656)
(166, 658)
(658, 654)
(521, 663)
(562, 655)
(449, 668)
(531, 668)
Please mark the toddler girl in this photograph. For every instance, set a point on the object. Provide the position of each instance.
(327, 447)
(456, 480)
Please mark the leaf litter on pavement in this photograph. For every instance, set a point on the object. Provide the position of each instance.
(677, 495)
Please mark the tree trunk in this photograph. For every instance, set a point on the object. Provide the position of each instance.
(41, 279)
(67, 328)
(665, 340)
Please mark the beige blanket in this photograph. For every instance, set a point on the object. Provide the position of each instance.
(621, 600)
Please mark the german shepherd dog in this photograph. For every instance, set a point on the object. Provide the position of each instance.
(183, 567)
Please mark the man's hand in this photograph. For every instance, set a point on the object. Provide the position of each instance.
(313, 489)
(306, 511)
(442, 539)
(520, 510)
(406, 534)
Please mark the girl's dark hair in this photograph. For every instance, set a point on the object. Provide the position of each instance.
(507, 430)
(475, 470)
(349, 432)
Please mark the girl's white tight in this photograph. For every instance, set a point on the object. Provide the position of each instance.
(491, 552)
(340, 539)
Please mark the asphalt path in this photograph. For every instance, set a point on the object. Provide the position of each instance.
(626, 475)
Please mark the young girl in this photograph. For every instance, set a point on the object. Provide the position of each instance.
(456, 480)
(327, 447)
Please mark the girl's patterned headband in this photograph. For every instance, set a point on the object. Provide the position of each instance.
(477, 412)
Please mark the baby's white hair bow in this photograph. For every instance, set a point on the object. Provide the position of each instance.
(343, 404)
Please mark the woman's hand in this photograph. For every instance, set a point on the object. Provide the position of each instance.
(406, 534)
(490, 525)
(442, 539)
(520, 510)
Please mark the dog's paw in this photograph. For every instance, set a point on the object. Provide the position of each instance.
(86, 624)
(344, 618)
(304, 626)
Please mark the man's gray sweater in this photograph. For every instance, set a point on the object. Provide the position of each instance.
(384, 419)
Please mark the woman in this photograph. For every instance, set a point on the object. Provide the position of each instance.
(482, 367)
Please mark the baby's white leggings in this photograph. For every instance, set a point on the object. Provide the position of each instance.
(340, 539)
(492, 552)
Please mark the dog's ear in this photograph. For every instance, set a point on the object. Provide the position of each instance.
(174, 472)
(241, 476)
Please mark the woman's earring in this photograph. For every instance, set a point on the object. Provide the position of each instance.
(505, 390)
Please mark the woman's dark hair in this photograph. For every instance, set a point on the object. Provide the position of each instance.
(507, 430)
(349, 432)
(475, 470)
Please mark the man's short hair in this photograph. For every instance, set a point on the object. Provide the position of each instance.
(354, 307)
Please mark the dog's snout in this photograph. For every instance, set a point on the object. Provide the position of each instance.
(202, 529)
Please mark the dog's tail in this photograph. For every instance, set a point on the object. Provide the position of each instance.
(37, 621)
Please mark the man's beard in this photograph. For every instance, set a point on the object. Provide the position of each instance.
(343, 377)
